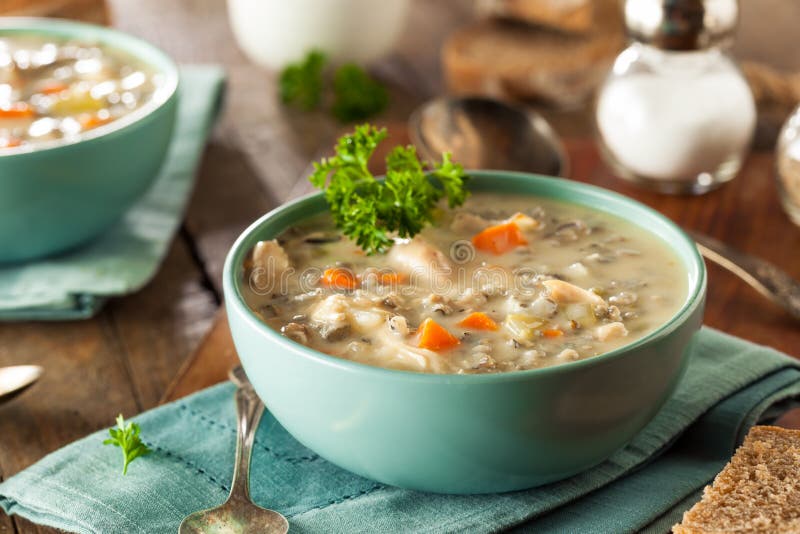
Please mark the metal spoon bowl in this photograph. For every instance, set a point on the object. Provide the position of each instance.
(16, 379)
(482, 133)
(239, 514)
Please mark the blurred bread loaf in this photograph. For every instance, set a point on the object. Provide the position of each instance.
(514, 60)
(565, 15)
(757, 492)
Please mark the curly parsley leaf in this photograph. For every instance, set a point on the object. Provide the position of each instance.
(126, 437)
(302, 83)
(357, 95)
(367, 210)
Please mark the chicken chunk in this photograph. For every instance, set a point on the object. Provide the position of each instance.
(568, 355)
(332, 318)
(463, 221)
(270, 261)
(566, 293)
(421, 260)
(610, 331)
(524, 222)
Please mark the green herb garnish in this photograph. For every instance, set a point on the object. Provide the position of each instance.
(367, 210)
(126, 437)
(356, 95)
(301, 83)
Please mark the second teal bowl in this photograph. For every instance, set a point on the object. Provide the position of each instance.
(468, 433)
(56, 197)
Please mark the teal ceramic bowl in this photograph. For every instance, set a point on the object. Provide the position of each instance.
(469, 433)
(59, 194)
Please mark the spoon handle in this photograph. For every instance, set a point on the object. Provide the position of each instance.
(761, 275)
(249, 409)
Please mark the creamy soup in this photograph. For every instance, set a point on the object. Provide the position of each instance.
(53, 89)
(502, 283)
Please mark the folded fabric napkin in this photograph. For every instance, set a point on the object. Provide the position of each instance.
(75, 285)
(729, 384)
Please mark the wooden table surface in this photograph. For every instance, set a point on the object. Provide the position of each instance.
(125, 359)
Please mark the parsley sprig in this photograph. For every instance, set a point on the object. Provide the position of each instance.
(356, 95)
(367, 210)
(126, 437)
(301, 83)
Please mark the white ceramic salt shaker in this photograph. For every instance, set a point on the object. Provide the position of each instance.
(675, 114)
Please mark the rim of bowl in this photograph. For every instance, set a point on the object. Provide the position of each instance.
(693, 298)
(148, 54)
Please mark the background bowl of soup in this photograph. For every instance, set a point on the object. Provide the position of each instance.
(86, 117)
(469, 433)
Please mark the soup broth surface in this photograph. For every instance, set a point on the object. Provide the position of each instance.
(502, 283)
(59, 89)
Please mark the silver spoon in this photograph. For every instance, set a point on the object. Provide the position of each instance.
(487, 134)
(239, 514)
(761, 275)
(482, 133)
(16, 379)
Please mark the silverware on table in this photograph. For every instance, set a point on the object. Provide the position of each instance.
(487, 134)
(761, 275)
(239, 514)
(16, 379)
(483, 133)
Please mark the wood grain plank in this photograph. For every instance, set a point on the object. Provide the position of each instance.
(24, 526)
(157, 328)
(208, 365)
(7, 525)
(228, 197)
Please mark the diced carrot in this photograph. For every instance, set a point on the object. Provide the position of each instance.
(388, 279)
(93, 121)
(53, 88)
(499, 239)
(552, 332)
(10, 142)
(20, 110)
(433, 336)
(478, 321)
(339, 278)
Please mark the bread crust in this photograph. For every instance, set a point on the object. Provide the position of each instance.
(565, 15)
(757, 492)
(512, 61)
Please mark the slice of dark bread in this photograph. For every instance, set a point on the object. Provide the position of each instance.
(510, 60)
(757, 492)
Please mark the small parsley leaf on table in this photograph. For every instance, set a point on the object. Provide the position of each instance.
(126, 437)
(308, 84)
(301, 83)
(357, 95)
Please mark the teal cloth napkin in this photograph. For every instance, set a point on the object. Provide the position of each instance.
(75, 285)
(729, 384)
